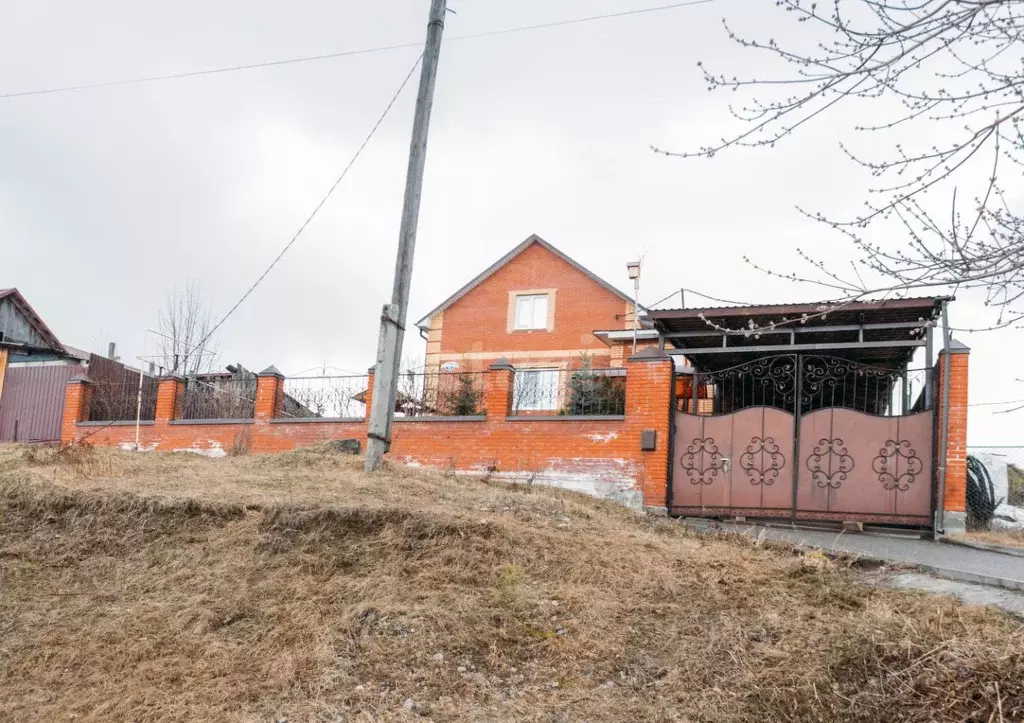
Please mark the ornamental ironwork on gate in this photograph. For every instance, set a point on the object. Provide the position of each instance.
(805, 436)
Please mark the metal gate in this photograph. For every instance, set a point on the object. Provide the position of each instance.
(33, 401)
(805, 437)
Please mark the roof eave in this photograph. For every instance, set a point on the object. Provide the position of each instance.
(752, 310)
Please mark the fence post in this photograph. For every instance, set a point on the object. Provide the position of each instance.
(369, 393)
(500, 383)
(952, 468)
(650, 375)
(269, 394)
(77, 400)
(3, 369)
(169, 394)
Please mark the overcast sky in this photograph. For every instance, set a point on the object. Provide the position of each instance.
(110, 198)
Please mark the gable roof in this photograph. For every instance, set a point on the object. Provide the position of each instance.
(490, 270)
(34, 320)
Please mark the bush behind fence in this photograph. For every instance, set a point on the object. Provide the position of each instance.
(563, 392)
(219, 398)
(441, 394)
(119, 401)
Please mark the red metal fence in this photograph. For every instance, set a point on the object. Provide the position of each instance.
(33, 402)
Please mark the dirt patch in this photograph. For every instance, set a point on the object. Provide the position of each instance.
(173, 587)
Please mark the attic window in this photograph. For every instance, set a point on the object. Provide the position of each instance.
(532, 311)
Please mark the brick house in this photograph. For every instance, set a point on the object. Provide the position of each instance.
(540, 310)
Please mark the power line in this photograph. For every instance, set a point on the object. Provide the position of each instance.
(697, 293)
(576, 21)
(720, 301)
(340, 54)
(208, 71)
(659, 301)
(318, 367)
(996, 404)
(316, 210)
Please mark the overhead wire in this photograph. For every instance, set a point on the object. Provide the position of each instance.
(319, 367)
(651, 306)
(342, 53)
(311, 216)
(380, 120)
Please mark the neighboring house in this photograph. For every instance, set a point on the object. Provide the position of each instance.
(35, 368)
(539, 309)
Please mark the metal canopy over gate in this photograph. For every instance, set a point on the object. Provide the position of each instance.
(804, 411)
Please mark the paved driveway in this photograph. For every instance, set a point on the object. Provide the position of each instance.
(950, 561)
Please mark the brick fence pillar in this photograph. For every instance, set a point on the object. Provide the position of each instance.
(498, 390)
(371, 373)
(77, 400)
(170, 393)
(650, 375)
(269, 394)
(954, 502)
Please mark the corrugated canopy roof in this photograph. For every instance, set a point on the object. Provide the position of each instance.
(815, 323)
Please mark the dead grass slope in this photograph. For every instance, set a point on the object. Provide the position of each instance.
(296, 587)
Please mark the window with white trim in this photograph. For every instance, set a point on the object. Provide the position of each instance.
(531, 311)
(536, 390)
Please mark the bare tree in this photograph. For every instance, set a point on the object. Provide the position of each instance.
(947, 66)
(184, 325)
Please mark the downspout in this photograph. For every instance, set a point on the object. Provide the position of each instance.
(940, 506)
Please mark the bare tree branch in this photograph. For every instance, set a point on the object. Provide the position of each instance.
(950, 66)
(184, 323)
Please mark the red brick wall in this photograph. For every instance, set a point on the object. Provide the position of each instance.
(599, 456)
(956, 441)
(77, 398)
(477, 323)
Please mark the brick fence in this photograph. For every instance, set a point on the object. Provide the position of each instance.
(600, 455)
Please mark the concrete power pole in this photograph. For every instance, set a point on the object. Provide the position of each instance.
(392, 320)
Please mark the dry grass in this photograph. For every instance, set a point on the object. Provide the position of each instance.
(171, 587)
(1000, 538)
(1015, 485)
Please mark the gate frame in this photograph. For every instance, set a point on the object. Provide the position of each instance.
(869, 330)
(780, 382)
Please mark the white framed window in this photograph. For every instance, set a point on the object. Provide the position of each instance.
(531, 311)
(536, 390)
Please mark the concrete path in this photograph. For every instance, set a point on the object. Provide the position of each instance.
(1011, 601)
(954, 562)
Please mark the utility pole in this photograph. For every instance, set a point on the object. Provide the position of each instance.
(392, 319)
